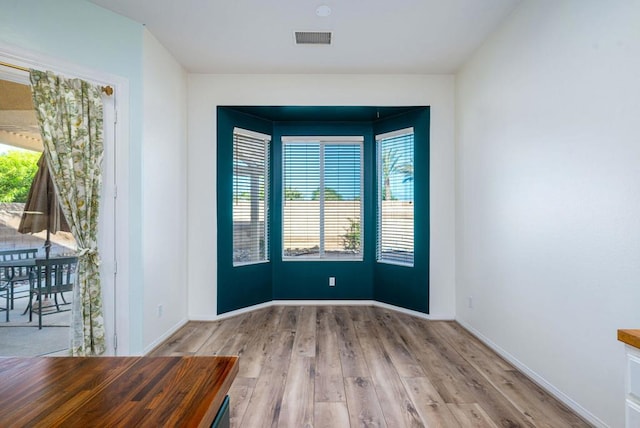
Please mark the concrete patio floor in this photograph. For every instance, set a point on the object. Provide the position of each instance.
(21, 338)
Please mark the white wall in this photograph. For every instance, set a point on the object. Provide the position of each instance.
(164, 184)
(548, 195)
(208, 91)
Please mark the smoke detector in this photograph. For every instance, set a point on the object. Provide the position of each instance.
(323, 11)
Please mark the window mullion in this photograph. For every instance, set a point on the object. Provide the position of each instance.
(321, 197)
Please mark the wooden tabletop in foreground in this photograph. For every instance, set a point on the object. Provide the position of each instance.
(630, 337)
(113, 391)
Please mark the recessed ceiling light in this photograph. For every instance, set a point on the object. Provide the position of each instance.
(323, 10)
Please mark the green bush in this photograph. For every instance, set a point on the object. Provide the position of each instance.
(17, 169)
(351, 239)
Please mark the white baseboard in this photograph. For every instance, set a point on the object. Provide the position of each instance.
(236, 312)
(535, 377)
(324, 303)
(439, 317)
(164, 336)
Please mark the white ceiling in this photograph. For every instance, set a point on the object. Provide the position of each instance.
(369, 36)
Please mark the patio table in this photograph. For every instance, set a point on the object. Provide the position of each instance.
(11, 266)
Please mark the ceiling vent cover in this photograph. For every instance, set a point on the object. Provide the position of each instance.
(313, 38)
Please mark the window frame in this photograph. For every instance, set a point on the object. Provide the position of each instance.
(380, 190)
(323, 141)
(266, 140)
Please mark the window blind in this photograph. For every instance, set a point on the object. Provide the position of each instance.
(322, 210)
(395, 229)
(250, 197)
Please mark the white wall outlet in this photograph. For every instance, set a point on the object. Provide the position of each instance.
(159, 311)
(470, 302)
(332, 281)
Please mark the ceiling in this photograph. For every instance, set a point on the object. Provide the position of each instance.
(368, 36)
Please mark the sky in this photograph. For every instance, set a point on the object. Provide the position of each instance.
(342, 169)
(342, 164)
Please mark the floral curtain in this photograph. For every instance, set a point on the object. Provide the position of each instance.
(70, 116)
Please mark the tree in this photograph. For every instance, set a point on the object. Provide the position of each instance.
(389, 161)
(291, 194)
(329, 195)
(17, 169)
(407, 171)
(390, 166)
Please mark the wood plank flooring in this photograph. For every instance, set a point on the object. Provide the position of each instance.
(362, 366)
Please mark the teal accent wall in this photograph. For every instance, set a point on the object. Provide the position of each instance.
(298, 280)
(408, 287)
(309, 280)
(242, 286)
(87, 35)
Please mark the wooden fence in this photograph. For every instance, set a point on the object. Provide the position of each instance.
(301, 228)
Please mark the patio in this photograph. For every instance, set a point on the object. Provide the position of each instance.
(21, 338)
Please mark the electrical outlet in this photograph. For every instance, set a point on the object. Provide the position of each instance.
(332, 281)
(470, 302)
(159, 311)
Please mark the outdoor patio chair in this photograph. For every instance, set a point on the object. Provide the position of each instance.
(49, 279)
(12, 275)
(4, 295)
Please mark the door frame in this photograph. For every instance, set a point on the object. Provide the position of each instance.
(114, 235)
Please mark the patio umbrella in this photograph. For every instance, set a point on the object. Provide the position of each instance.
(42, 210)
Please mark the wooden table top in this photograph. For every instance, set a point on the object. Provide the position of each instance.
(630, 337)
(113, 391)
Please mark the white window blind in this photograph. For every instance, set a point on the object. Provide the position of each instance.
(250, 197)
(322, 188)
(395, 197)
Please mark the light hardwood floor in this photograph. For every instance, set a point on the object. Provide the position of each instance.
(361, 366)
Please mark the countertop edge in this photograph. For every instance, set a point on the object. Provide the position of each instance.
(630, 336)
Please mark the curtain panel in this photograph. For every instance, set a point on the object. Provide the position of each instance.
(70, 115)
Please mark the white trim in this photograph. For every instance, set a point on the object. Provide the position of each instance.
(411, 312)
(630, 406)
(323, 303)
(259, 262)
(314, 259)
(322, 139)
(166, 335)
(535, 377)
(393, 134)
(321, 195)
(243, 141)
(251, 134)
(231, 313)
(38, 61)
(29, 59)
(14, 75)
(393, 262)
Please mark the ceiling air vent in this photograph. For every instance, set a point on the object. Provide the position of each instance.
(313, 38)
